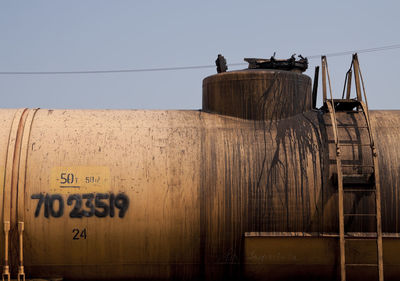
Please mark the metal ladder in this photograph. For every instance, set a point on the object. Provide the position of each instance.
(354, 183)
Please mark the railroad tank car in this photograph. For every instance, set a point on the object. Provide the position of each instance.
(243, 189)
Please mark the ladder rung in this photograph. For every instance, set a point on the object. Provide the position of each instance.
(362, 264)
(357, 166)
(359, 181)
(354, 144)
(352, 181)
(358, 190)
(351, 100)
(352, 238)
(350, 126)
(361, 234)
(358, 175)
(360, 215)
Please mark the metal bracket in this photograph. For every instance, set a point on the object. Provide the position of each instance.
(6, 273)
(6, 268)
(21, 273)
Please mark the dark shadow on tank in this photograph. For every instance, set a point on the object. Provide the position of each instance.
(299, 140)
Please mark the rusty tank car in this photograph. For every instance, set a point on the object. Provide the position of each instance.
(259, 184)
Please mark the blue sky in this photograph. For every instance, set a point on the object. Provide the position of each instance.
(94, 35)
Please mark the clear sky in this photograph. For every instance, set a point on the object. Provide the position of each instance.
(95, 35)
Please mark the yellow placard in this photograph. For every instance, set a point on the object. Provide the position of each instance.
(80, 179)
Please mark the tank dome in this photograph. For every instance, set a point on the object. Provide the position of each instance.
(267, 90)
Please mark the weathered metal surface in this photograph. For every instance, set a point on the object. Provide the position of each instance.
(312, 256)
(257, 94)
(174, 192)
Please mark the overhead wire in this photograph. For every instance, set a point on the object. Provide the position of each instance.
(377, 49)
(110, 71)
(113, 70)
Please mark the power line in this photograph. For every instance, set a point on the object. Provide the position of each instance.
(377, 49)
(107, 71)
(113, 70)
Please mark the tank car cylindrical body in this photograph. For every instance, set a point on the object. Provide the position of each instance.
(233, 192)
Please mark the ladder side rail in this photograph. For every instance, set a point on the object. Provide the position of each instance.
(365, 108)
(331, 109)
(349, 85)
(356, 77)
(346, 78)
(377, 194)
(362, 82)
(323, 59)
(340, 195)
(369, 126)
(378, 218)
